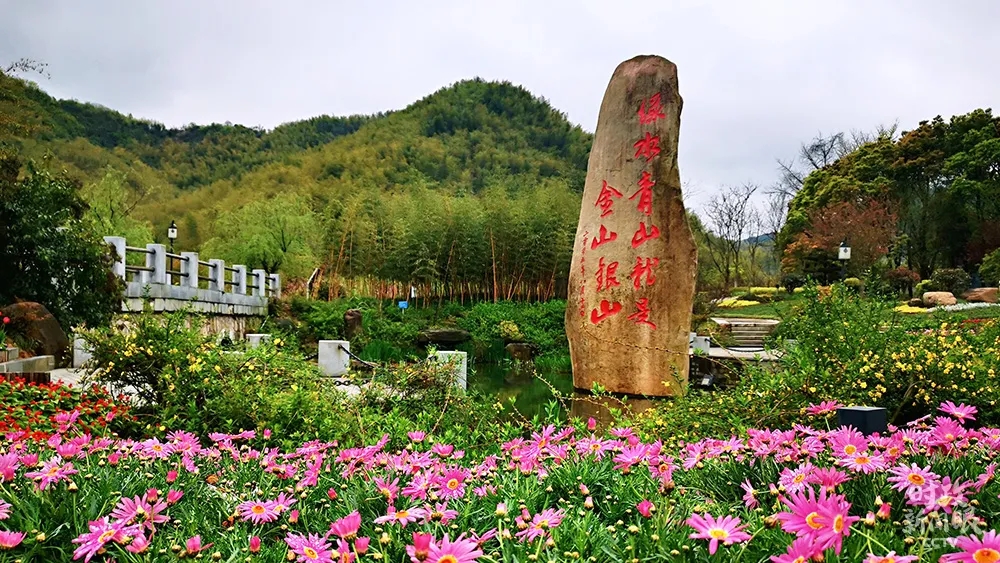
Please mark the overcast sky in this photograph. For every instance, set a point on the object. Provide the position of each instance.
(757, 78)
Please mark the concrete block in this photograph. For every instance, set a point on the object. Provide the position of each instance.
(256, 339)
(260, 283)
(81, 352)
(118, 243)
(218, 275)
(240, 279)
(460, 365)
(333, 358)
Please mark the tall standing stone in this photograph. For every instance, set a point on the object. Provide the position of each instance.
(631, 284)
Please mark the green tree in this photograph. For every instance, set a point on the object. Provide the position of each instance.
(110, 204)
(48, 250)
(280, 234)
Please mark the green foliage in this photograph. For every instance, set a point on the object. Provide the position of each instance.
(924, 286)
(48, 251)
(954, 280)
(854, 283)
(280, 234)
(110, 203)
(989, 270)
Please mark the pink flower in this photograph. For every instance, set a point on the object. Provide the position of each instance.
(136, 510)
(749, 494)
(139, 544)
(443, 450)
(193, 544)
(293, 517)
(962, 411)
(421, 547)
(308, 549)
(361, 545)
(802, 550)
(10, 540)
(171, 476)
(101, 532)
(4, 510)
(824, 519)
(331, 493)
(645, 508)
(255, 544)
(387, 489)
(863, 462)
(891, 557)
(51, 472)
(348, 526)
(174, 495)
(452, 483)
(725, 529)
(540, 524)
(417, 436)
(975, 550)
(402, 517)
(258, 512)
(591, 424)
(826, 407)
(8, 466)
(458, 551)
(912, 478)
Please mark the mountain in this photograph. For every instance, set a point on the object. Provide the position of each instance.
(471, 145)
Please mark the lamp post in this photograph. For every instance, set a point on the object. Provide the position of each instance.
(172, 236)
(844, 255)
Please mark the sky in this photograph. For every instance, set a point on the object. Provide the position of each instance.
(758, 78)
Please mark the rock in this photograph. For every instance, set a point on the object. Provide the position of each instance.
(353, 322)
(634, 258)
(443, 335)
(37, 325)
(938, 298)
(915, 302)
(521, 351)
(981, 295)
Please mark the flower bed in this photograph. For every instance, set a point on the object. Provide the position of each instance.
(917, 493)
(42, 409)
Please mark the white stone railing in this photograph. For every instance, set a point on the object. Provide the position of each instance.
(178, 281)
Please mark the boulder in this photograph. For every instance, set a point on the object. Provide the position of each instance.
(443, 335)
(915, 302)
(37, 325)
(939, 299)
(981, 295)
(521, 351)
(353, 322)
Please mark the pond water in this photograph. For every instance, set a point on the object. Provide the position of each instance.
(531, 389)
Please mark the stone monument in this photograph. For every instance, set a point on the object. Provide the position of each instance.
(631, 284)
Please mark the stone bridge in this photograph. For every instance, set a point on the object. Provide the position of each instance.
(232, 299)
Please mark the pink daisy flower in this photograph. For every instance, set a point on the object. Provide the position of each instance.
(645, 508)
(402, 517)
(795, 479)
(912, 478)
(826, 407)
(4, 510)
(101, 532)
(802, 550)
(348, 526)
(540, 524)
(258, 512)
(52, 471)
(962, 411)
(452, 484)
(863, 462)
(10, 540)
(387, 489)
(725, 529)
(309, 549)
(421, 547)
(749, 494)
(975, 550)
(891, 557)
(458, 551)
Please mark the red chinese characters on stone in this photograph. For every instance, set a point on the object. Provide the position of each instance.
(645, 193)
(603, 237)
(648, 146)
(644, 269)
(642, 235)
(606, 275)
(650, 111)
(641, 316)
(607, 198)
(605, 310)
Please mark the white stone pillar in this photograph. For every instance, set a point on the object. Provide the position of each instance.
(257, 339)
(274, 285)
(460, 366)
(240, 279)
(218, 274)
(189, 269)
(119, 266)
(260, 283)
(334, 360)
(156, 258)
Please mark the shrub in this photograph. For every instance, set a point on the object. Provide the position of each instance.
(48, 252)
(955, 280)
(854, 283)
(791, 282)
(42, 409)
(925, 286)
(989, 270)
(901, 279)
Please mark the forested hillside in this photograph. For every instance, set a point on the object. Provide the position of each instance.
(474, 188)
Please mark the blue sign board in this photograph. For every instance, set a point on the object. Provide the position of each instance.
(404, 304)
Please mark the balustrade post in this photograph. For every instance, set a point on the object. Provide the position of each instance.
(156, 258)
(119, 266)
(189, 269)
(274, 285)
(240, 279)
(218, 275)
(260, 283)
